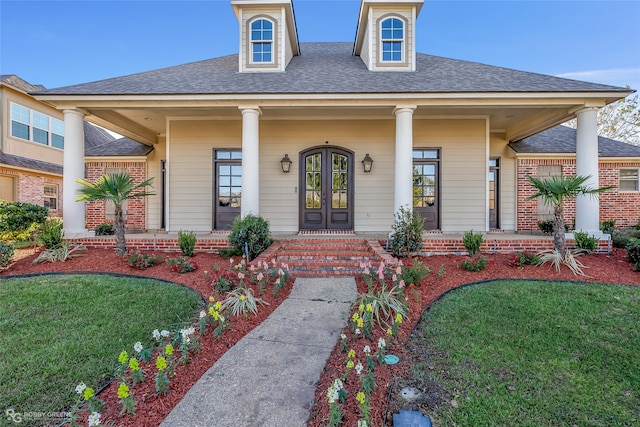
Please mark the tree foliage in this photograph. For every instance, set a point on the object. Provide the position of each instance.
(116, 188)
(619, 120)
(556, 190)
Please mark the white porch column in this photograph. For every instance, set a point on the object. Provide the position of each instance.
(250, 200)
(404, 158)
(73, 213)
(587, 206)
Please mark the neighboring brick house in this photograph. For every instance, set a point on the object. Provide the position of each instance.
(552, 152)
(32, 147)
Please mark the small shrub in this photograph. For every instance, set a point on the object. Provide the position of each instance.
(51, 233)
(584, 242)
(637, 226)
(472, 242)
(250, 235)
(608, 226)
(223, 281)
(476, 263)
(7, 250)
(547, 226)
(181, 265)
(621, 236)
(142, 260)
(63, 252)
(229, 252)
(18, 216)
(633, 252)
(524, 258)
(406, 233)
(187, 241)
(414, 273)
(104, 229)
(30, 234)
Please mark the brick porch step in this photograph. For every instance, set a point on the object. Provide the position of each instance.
(323, 257)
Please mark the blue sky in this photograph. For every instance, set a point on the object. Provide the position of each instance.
(60, 43)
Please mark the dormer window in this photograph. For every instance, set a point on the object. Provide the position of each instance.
(392, 40)
(261, 41)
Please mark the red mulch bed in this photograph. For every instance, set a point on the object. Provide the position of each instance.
(151, 410)
(612, 268)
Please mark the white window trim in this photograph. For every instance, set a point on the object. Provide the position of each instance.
(32, 126)
(637, 180)
(403, 52)
(55, 196)
(252, 42)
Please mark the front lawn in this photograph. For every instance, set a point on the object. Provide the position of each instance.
(530, 353)
(58, 331)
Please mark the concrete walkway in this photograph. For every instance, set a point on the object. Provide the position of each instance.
(268, 378)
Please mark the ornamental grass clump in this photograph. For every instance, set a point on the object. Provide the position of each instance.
(241, 301)
(63, 252)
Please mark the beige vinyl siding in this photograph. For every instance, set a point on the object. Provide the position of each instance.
(366, 45)
(407, 17)
(18, 146)
(279, 192)
(463, 170)
(190, 166)
(508, 191)
(154, 165)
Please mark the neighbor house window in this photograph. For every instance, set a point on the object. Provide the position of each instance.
(37, 127)
(261, 41)
(629, 180)
(392, 39)
(50, 196)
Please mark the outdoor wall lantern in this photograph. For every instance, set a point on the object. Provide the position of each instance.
(286, 163)
(367, 163)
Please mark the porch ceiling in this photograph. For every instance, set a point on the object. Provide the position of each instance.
(147, 123)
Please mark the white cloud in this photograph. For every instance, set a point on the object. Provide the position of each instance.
(616, 77)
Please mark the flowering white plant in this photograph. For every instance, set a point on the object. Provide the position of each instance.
(94, 419)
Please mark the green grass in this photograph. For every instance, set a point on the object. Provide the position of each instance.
(534, 354)
(58, 331)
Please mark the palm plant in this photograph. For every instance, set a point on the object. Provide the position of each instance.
(555, 190)
(116, 188)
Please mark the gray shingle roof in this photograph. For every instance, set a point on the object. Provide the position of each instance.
(118, 147)
(562, 139)
(24, 162)
(18, 83)
(330, 68)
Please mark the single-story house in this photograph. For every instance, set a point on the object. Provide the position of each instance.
(334, 136)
